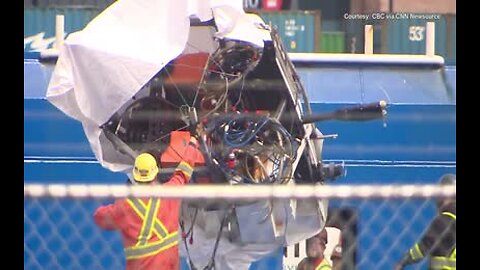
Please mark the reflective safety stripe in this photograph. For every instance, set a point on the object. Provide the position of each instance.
(156, 206)
(450, 215)
(145, 232)
(150, 249)
(443, 263)
(415, 252)
(140, 209)
(185, 168)
(453, 254)
(158, 227)
(148, 213)
(324, 265)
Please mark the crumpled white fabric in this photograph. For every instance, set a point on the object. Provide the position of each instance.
(229, 255)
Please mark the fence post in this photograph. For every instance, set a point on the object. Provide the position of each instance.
(368, 39)
(59, 31)
(430, 41)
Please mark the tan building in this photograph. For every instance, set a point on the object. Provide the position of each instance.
(417, 6)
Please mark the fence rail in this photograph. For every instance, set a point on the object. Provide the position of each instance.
(241, 192)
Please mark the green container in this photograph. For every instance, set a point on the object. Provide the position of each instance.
(331, 10)
(99, 4)
(37, 20)
(299, 30)
(332, 25)
(408, 35)
(451, 39)
(332, 42)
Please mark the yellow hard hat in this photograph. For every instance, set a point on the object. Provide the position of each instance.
(145, 169)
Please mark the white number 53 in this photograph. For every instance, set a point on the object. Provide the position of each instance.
(415, 33)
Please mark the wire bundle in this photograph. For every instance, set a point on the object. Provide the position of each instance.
(253, 141)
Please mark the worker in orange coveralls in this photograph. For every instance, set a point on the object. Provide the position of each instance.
(149, 226)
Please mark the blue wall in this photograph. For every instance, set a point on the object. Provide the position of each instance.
(417, 145)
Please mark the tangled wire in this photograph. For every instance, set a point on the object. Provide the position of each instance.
(251, 148)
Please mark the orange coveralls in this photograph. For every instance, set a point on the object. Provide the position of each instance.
(149, 226)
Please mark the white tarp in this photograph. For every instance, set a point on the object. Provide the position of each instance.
(101, 67)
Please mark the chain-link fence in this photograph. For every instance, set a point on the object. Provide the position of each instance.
(373, 229)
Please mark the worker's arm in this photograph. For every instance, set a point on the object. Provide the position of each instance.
(190, 155)
(428, 241)
(184, 170)
(104, 217)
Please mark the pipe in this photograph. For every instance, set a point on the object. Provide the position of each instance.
(368, 39)
(430, 41)
(59, 31)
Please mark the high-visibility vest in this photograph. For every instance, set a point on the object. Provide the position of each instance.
(445, 262)
(324, 265)
(150, 226)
